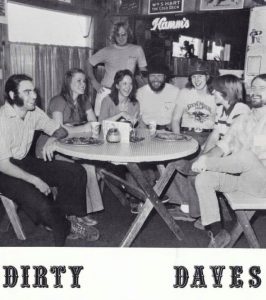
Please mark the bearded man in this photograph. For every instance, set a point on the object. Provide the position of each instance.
(157, 99)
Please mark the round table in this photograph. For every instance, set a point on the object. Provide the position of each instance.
(148, 150)
(133, 154)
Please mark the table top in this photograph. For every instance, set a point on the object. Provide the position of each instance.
(148, 150)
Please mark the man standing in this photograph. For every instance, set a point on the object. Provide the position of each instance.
(119, 56)
(157, 99)
(237, 163)
(27, 180)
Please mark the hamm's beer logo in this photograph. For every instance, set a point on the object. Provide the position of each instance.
(163, 24)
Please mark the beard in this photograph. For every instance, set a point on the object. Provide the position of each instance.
(156, 89)
(18, 101)
(257, 102)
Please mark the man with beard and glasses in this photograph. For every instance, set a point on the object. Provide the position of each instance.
(157, 99)
(28, 180)
(236, 163)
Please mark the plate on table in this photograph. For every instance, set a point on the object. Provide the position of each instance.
(136, 139)
(82, 141)
(171, 136)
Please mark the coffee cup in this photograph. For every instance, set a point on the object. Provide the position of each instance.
(152, 127)
(95, 129)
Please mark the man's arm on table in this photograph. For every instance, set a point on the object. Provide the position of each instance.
(12, 170)
(49, 147)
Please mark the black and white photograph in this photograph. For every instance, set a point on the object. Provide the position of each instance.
(2, 11)
(221, 4)
(133, 150)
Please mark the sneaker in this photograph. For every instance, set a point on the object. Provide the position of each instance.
(164, 199)
(87, 220)
(171, 206)
(81, 231)
(221, 240)
(199, 225)
(135, 208)
(178, 215)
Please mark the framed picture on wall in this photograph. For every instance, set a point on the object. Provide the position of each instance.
(3, 17)
(221, 4)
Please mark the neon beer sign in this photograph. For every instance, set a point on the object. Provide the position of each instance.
(164, 24)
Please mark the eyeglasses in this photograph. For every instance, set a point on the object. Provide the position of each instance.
(121, 34)
(258, 88)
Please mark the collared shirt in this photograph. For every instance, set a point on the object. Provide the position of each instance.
(224, 119)
(247, 132)
(16, 134)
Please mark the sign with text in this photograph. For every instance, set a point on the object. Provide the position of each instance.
(129, 7)
(165, 6)
(164, 24)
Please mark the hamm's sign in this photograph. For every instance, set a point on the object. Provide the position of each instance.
(164, 24)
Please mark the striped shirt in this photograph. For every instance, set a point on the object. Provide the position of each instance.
(17, 134)
(248, 132)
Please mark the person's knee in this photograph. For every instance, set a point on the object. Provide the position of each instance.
(202, 180)
(90, 169)
(248, 159)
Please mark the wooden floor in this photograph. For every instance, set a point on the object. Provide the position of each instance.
(114, 222)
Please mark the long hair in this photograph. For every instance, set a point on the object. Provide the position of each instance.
(12, 84)
(114, 91)
(116, 28)
(189, 85)
(66, 93)
(231, 88)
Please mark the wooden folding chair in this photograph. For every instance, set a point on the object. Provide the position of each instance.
(244, 206)
(11, 210)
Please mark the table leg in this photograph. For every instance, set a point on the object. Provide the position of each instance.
(166, 174)
(238, 229)
(151, 201)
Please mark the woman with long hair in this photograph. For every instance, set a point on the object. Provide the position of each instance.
(229, 97)
(72, 109)
(121, 103)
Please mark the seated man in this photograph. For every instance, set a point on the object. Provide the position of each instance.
(27, 180)
(228, 95)
(194, 115)
(237, 163)
(157, 99)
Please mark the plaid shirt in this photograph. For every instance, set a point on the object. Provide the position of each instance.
(247, 132)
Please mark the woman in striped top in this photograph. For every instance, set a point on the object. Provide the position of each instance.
(228, 93)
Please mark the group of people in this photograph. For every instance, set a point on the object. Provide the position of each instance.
(230, 136)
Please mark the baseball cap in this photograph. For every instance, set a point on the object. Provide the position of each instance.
(199, 67)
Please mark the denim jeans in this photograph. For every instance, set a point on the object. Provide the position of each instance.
(241, 171)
